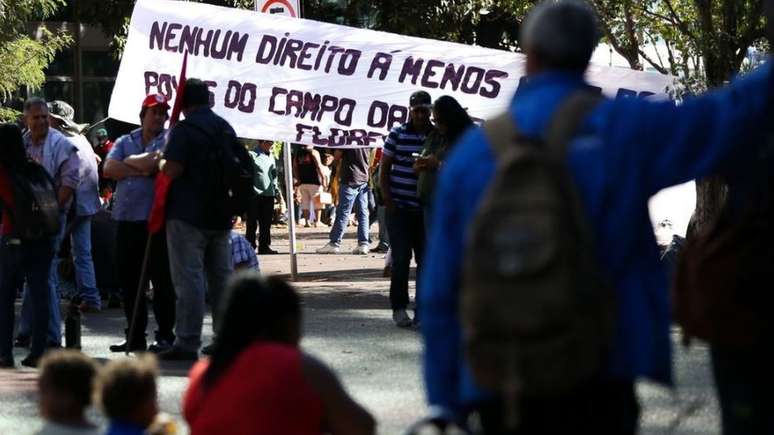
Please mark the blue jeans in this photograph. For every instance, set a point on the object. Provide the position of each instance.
(200, 262)
(32, 260)
(85, 280)
(55, 315)
(348, 195)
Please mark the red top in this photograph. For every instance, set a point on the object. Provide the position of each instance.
(6, 196)
(264, 392)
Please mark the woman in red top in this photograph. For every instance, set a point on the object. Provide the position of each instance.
(258, 381)
(19, 257)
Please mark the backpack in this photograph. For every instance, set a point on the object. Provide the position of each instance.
(722, 289)
(536, 314)
(35, 213)
(229, 181)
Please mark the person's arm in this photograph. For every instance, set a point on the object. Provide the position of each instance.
(176, 154)
(171, 168)
(342, 415)
(319, 166)
(114, 167)
(117, 170)
(440, 281)
(70, 176)
(388, 153)
(665, 145)
(146, 163)
(384, 182)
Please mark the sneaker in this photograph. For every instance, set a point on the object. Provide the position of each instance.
(159, 346)
(381, 249)
(361, 250)
(401, 318)
(31, 361)
(87, 307)
(178, 354)
(267, 251)
(140, 346)
(330, 248)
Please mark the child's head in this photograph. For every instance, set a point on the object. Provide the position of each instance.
(327, 159)
(126, 390)
(65, 385)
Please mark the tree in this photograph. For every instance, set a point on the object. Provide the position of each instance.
(23, 58)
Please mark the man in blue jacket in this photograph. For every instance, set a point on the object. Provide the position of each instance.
(625, 151)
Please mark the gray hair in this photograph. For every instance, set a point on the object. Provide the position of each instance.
(35, 102)
(563, 34)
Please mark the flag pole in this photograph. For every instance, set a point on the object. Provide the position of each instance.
(291, 210)
(288, 166)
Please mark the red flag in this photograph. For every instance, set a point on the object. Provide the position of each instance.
(163, 182)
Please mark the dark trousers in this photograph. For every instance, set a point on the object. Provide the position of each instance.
(31, 260)
(407, 235)
(131, 239)
(744, 385)
(261, 212)
(600, 408)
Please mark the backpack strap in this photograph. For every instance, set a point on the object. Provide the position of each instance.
(503, 135)
(568, 119)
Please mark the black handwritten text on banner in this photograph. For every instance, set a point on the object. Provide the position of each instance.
(302, 81)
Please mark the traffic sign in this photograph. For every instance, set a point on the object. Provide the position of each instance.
(289, 8)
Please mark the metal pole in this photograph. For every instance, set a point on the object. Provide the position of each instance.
(291, 211)
(140, 294)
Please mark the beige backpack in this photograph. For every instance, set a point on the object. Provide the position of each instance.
(536, 314)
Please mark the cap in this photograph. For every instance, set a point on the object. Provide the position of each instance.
(420, 99)
(102, 133)
(155, 100)
(64, 112)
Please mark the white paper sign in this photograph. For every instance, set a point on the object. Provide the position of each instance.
(302, 81)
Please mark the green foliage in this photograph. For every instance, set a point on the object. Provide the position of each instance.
(705, 41)
(23, 58)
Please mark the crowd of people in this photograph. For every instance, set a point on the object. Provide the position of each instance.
(541, 294)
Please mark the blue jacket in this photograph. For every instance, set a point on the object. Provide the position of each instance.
(625, 152)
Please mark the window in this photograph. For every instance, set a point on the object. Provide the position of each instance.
(98, 64)
(96, 98)
(63, 64)
(59, 90)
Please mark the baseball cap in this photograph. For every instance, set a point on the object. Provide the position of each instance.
(155, 100)
(420, 99)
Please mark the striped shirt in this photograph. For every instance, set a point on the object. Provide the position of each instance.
(402, 142)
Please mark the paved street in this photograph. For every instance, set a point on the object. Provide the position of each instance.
(348, 324)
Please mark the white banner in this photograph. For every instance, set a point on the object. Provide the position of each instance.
(289, 79)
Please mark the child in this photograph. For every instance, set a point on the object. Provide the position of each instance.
(126, 391)
(65, 386)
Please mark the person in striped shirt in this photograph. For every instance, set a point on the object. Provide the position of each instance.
(398, 182)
